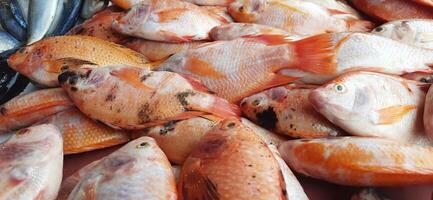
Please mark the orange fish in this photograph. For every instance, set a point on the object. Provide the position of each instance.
(231, 163)
(25, 110)
(134, 98)
(390, 10)
(236, 30)
(286, 110)
(360, 161)
(100, 26)
(81, 134)
(34, 61)
(126, 4)
(219, 11)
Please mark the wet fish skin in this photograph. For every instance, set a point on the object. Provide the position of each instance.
(24, 7)
(32, 162)
(90, 7)
(211, 2)
(8, 20)
(66, 16)
(41, 15)
(236, 30)
(7, 41)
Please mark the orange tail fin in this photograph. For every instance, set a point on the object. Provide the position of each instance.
(360, 25)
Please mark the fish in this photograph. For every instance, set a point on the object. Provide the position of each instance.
(43, 60)
(369, 194)
(32, 162)
(338, 8)
(69, 183)
(176, 171)
(270, 138)
(104, 94)
(236, 30)
(138, 170)
(165, 21)
(100, 26)
(425, 2)
(418, 32)
(158, 51)
(7, 41)
(390, 10)
(41, 16)
(11, 19)
(67, 14)
(428, 113)
(286, 110)
(27, 109)
(359, 161)
(224, 3)
(231, 163)
(24, 8)
(421, 76)
(90, 7)
(81, 134)
(220, 11)
(126, 4)
(373, 105)
(297, 17)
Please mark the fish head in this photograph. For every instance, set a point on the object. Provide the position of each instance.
(247, 11)
(138, 14)
(397, 30)
(25, 58)
(254, 105)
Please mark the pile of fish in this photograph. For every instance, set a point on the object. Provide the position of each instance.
(220, 99)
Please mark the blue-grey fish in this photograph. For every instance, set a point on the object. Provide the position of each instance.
(41, 16)
(67, 14)
(24, 6)
(90, 7)
(7, 41)
(12, 20)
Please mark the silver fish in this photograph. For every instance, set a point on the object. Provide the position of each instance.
(41, 16)
(90, 7)
(7, 41)
(24, 6)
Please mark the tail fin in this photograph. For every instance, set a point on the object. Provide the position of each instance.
(360, 25)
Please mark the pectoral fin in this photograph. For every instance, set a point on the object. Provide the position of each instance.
(391, 114)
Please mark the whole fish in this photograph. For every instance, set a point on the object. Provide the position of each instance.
(373, 104)
(425, 2)
(236, 30)
(41, 15)
(220, 11)
(138, 170)
(338, 8)
(43, 61)
(90, 7)
(81, 134)
(31, 164)
(418, 32)
(24, 110)
(231, 163)
(104, 94)
(100, 26)
(7, 41)
(165, 21)
(390, 10)
(211, 2)
(358, 161)
(126, 4)
(11, 19)
(295, 16)
(286, 110)
(158, 51)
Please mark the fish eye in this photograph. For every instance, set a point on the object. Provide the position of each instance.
(143, 145)
(339, 88)
(379, 29)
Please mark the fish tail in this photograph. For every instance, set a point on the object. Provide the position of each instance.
(360, 25)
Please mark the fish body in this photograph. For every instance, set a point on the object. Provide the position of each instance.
(69, 183)
(219, 11)
(231, 163)
(211, 2)
(428, 113)
(24, 7)
(104, 93)
(425, 2)
(390, 10)
(338, 8)
(287, 110)
(7, 41)
(31, 164)
(236, 30)
(166, 20)
(358, 161)
(41, 15)
(373, 104)
(81, 134)
(418, 32)
(24, 110)
(138, 170)
(44, 60)
(11, 19)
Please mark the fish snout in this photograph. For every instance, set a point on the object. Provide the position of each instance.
(317, 99)
(68, 76)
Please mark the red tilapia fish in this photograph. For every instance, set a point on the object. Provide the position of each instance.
(134, 98)
(232, 163)
(81, 134)
(211, 2)
(31, 164)
(373, 104)
(168, 21)
(25, 110)
(360, 161)
(236, 30)
(138, 170)
(295, 16)
(286, 110)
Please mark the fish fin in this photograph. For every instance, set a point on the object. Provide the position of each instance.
(391, 114)
(131, 76)
(270, 39)
(202, 68)
(316, 54)
(337, 12)
(219, 107)
(360, 25)
(199, 187)
(169, 15)
(196, 84)
(220, 18)
(155, 64)
(173, 37)
(279, 79)
(59, 65)
(90, 191)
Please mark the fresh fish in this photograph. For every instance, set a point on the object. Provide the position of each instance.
(41, 16)
(165, 21)
(158, 51)
(27, 109)
(176, 171)
(138, 170)
(390, 10)
(66, 16)
(24, 7)
(373, 104)
(338, 8)
(31, 164)
(7, 41)
(368, 194)
(231, 163)
(57, 19)
(100, 26)
(104, 93)
(358, 161)
(425, 2)
(90, 7)
(211, 2)
(43, 61)
(297, 17)
(286, 110)
(418, 32)
(220, 11)
(70, 182)
(127, 4)
(236, 30)
(11, 19)
(81, 134)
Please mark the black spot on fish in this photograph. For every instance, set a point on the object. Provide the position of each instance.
(144, 77)
(267, 119)
(74, 89)
(144, 113)
(63, 77)
(183, 95)
(112, 93)
(167, 127)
